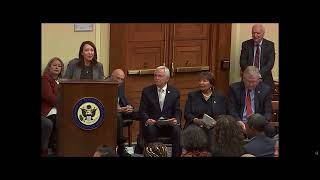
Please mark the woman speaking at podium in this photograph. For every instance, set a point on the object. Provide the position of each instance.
(86, 66)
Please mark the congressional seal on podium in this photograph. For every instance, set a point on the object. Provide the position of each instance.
(88, 113)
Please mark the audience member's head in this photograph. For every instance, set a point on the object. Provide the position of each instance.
(155, 149)
(118, 75)
(228, 137)
(55, 68)
(161, 76)
(256, 125)
(258, 33)
(195, 142)
(251, 77)
(105, 151)
(206, 81)
(276, 149)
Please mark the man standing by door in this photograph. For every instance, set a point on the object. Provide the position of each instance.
(259, 52)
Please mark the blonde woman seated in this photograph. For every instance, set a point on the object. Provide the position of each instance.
(194, 142)
(156, 149)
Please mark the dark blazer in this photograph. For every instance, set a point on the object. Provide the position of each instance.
(262, 100)
(74, 71)
(122, 98)
(260, 146)
(196, 107)
(49, 91)
(267, 57)
(150, 107)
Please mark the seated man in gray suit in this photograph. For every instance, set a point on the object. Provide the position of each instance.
(250, 96)
(260, 145)
(158, 101)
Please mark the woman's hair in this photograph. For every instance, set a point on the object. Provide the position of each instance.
(47, 69)
(208, 76)
(94, 59)
(156, 149)
(194, 139)
(228, 138)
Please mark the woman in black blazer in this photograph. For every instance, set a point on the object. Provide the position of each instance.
(206, 100)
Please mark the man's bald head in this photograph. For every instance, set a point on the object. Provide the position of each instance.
(118, 75)
(257, 33)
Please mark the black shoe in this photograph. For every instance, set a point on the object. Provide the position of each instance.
(125, 154)
(138, 150)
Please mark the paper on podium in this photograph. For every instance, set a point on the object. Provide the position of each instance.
(208, 121)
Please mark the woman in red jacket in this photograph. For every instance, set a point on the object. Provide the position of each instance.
(49, 88)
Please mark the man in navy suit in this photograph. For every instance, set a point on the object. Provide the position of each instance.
(259, 52)
(159, 101)
(124, 109)
(251, 96)
(260, 145)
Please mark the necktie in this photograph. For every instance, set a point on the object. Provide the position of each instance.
(257, 56)
(161, 98)
(248, 104)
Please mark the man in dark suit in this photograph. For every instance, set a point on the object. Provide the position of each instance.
(159, 101)
(259, 52)
(124, 109)
(250, 96)
(260, 145)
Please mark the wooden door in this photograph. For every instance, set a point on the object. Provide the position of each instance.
(185, 48)
(188, 56)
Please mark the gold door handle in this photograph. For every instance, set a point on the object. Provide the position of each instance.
(134, 72)
(172, 69)
(141, 71)
(193, 69)
(147, 71)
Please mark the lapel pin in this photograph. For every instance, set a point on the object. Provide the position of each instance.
(168, 92)
(214, 101)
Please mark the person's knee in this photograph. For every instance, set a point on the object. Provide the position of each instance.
(150, 133)
(176, 131)
(47, 124)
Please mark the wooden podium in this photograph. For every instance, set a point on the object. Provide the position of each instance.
(75, 138)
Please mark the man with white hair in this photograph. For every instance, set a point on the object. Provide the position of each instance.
(161, 101)
(259, 52)
(250, 96)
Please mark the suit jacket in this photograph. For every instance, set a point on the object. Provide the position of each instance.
(262, 100)
(150, 107)
(74, 71)
(267, 57)
(260, 146)
(49, 90)
(122, 98)
(195, 108)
